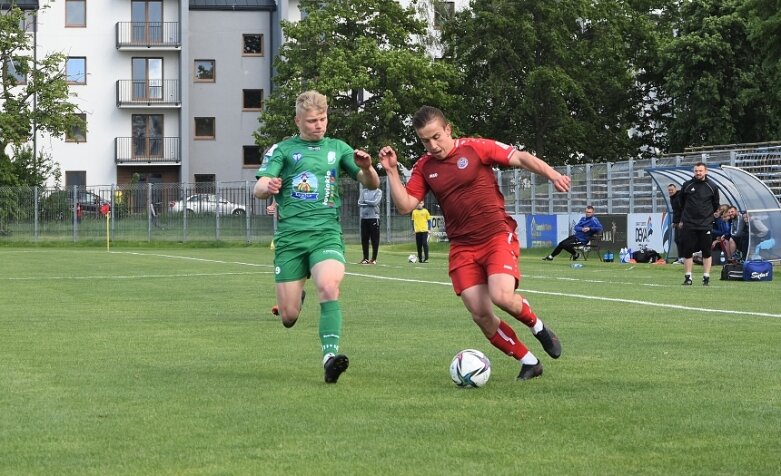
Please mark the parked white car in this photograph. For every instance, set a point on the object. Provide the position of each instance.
(207, 203)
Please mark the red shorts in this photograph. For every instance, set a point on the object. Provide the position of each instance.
(471, 265)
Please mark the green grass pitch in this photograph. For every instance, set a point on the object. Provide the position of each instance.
(167, 360)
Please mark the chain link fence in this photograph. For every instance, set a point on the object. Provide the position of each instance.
(227, 211)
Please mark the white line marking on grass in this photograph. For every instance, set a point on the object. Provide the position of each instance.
(191, 258)
(547, 293)
(140, 276)
(654, 304)
(593, 298)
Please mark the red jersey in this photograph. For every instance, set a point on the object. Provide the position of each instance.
(466, 189)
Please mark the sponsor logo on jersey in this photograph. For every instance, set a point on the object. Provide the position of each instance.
(328, 192)
(434, 175)
(331, 157)
(305, 187)
(297, 156)
(462, 163)
(314, 147)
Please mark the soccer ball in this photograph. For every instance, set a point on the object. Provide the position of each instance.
(470, 368)
(412, 259)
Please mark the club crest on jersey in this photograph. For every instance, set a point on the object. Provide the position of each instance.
(331, 157)
(462, 163)
(304, 187)
(297, 156)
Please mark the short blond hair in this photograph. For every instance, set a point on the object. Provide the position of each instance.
(311, 100)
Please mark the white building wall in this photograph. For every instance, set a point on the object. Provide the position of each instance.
(105, 65)
(205, 35)
(218, 36)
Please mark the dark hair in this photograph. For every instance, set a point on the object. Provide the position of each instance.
(672, 185)
(425, 115)
(701, 164)
(590, 207)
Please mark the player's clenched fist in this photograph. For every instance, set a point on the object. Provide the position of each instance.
(274, 185)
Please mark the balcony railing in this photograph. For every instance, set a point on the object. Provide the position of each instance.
(137, 35)
(150, 92)
(147, 150)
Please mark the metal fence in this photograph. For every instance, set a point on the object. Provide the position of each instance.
(227, 211)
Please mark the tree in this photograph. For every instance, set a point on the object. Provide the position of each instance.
(363, 56)
(714, 76)
(553, 77)
(32, 94)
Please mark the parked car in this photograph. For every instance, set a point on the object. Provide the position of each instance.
(207, 203)
(59, 203)
(90, 202)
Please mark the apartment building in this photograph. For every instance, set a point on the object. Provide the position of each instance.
(171, 90)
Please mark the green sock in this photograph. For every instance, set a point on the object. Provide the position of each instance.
(330, 326)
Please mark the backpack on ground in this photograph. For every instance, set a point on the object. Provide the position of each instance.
(646, 256)
(732, 272)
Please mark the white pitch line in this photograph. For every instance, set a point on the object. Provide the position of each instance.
(547, 293)
(141, 276)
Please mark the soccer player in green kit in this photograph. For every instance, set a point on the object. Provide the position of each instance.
(302, 173)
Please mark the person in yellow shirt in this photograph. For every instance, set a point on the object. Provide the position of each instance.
(421, 223)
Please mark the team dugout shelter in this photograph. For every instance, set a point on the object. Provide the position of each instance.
(739, 188)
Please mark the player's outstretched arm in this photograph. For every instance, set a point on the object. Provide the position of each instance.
(535, 165)
(404, 202)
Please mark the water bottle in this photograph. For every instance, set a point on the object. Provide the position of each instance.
(576, 265)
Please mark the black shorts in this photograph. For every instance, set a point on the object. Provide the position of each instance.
(696, 240)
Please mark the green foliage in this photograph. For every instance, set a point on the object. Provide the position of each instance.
(45, 86)
(550, 76)
(359, 53)
(714, 76)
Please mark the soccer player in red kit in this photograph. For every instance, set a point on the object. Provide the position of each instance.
(484, 247)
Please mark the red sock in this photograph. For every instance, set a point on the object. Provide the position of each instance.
(506, 341)
(527, 316)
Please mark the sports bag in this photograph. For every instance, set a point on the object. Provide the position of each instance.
(757, 270)
(732, 272)
(646, 256)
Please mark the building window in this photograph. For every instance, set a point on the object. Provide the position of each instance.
(442, 12)
(204, 128)
(253, 99)
(251, 155)
(204, 71)
(76, 70)
(27, 22)
(148, 138)
(205, 183)
(14, 72)
(75, 13)
(78, 132)
(253, 45)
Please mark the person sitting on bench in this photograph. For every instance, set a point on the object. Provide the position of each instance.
(587, 227)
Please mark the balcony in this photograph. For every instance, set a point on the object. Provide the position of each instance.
(147, 150)
(149, 93)
(134, 36)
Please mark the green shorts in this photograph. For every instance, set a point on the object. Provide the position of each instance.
(295, 254)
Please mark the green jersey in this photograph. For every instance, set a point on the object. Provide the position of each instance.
(309, 197)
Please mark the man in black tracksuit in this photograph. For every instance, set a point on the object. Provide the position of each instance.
(699, 200)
